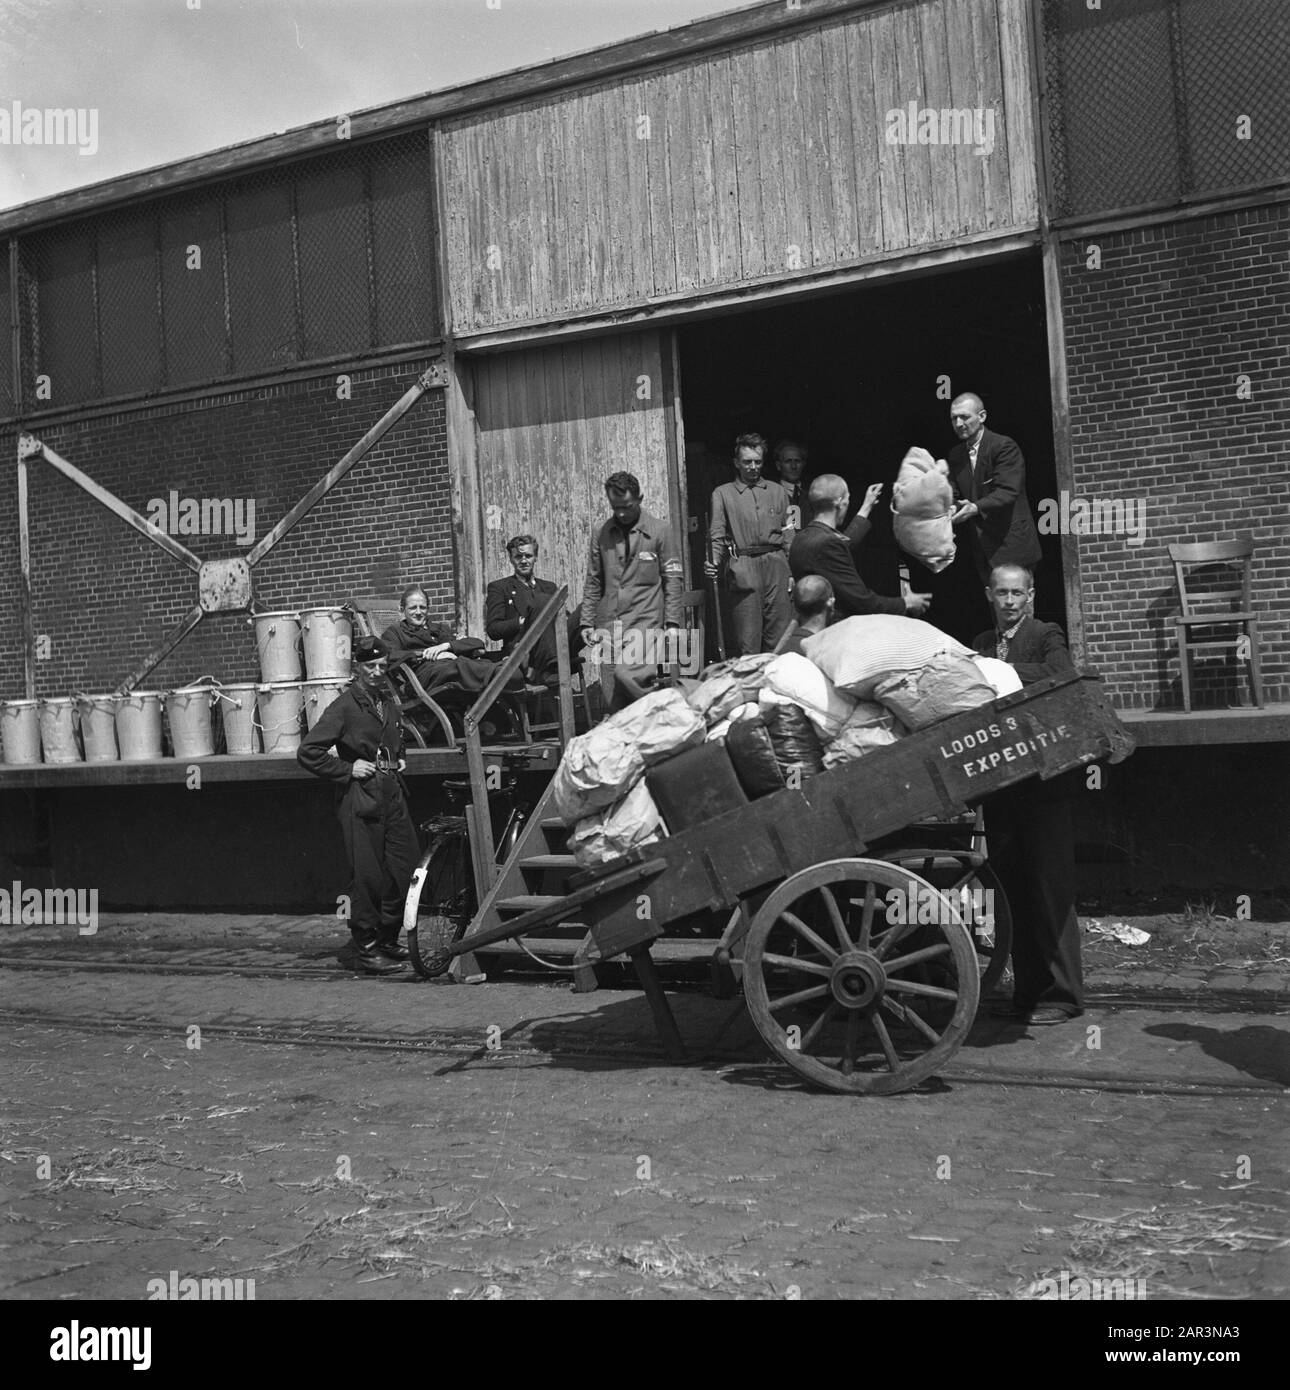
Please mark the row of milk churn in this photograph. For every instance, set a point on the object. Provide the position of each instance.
(258, 716)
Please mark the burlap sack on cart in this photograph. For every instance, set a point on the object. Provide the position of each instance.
(633, 821)
(598, 768)
(660, 724)
(729, 684)
(948, 684)
(921, 502)
(858, 653)
(869, 726)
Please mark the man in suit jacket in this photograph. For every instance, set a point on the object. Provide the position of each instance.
(989, 478)
(823, 548)
(1028, 827)
(511, 603)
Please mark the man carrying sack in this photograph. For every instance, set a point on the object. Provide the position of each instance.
(362, 726)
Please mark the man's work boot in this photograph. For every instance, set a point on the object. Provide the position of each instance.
(370, 959)
(387, 943)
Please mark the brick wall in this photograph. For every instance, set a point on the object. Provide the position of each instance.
(104, 595)
(1156, 340)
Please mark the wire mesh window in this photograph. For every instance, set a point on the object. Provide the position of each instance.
(1155, 100)
(325, 258)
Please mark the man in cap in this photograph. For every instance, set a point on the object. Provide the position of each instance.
(357, 744)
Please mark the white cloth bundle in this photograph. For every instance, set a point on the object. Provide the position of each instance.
(1001, 674)
(858, 653)
(921, 502)
(803, 684)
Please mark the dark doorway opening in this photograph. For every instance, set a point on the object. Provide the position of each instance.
(859, 377)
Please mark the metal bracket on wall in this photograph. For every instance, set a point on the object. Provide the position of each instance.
(224, 586)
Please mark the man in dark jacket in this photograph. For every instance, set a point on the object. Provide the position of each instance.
(1028, 827)
(989, 478)
(357, 744)
(511, 603)
(823, 548)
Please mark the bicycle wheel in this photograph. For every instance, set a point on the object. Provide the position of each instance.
(441, 899)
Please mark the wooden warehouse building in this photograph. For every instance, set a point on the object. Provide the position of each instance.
(817, 220)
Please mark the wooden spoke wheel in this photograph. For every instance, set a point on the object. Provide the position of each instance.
(974, 888)
(847, 990)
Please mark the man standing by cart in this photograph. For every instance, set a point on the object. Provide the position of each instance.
(1028, 827)
(362, 726)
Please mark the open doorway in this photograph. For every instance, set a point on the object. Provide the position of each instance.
(854, 376)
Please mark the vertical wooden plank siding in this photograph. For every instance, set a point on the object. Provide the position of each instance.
(1018, 93)
(965, 86)
(681, 157)
(946, 221)
(793, 175)
(637, 268)
(838, 140)
(770, 146)
(893, 160)
(771, 155)
(920, 178)
(821, 205)
(553, 423)
(985, 46)
(662, 238)
(867, 132)
(748, 209)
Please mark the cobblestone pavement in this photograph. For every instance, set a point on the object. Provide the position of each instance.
(569, 1162)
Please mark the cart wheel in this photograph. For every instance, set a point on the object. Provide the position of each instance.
(977, 893)
(849, 992)
(436, 910)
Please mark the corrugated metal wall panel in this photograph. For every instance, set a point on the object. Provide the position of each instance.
(553, 423)
(757, 164)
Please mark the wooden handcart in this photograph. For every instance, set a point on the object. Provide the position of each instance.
(858, 972)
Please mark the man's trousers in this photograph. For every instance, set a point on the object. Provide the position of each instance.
(1032, 849)
(760, 614)
(383, 854)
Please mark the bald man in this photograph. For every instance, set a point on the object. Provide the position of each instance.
(813, 607)
(823, 548)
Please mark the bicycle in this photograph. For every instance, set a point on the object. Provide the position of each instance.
(442, 901)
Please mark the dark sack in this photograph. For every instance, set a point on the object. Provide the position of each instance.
(795, 741)
(753, 755)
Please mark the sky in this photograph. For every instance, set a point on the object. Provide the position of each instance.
(154, 81)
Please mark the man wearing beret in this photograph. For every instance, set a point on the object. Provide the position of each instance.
(357, 744)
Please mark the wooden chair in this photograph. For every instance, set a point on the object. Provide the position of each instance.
(371, 615)
(1213, 580)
